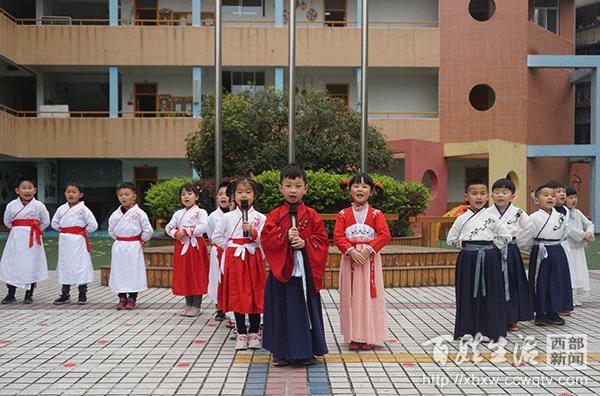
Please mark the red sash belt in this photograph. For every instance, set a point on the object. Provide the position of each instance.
(34, 232)
(371, 270)
(77, 231)
(242, 241)
(136, 238)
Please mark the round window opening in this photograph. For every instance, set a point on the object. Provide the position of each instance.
(482, 97)
(482, 10)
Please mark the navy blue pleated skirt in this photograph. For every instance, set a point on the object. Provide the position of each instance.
(482, 314)
(286, 328)
(554, 293)
(520, 305)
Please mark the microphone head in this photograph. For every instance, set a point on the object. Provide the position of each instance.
(294, 209)
(244, 205)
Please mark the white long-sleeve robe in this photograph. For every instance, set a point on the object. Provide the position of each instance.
(214, 274)
(579, 226)
(517, 221)
(127, 267)
(22, 265)
(74, 261)
(478, 226)
(194, 221)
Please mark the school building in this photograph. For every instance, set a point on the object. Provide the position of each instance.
(101, 91)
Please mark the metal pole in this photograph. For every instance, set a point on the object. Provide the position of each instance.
(218, 96)
(292, 82)
(364, 101)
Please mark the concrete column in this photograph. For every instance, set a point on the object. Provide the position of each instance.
(196, 12)
(197, 92)
(279, 79)
(113, 91)
(42, 180)
(279, 13)
(39, 11)
(113, 12)
(39, 89)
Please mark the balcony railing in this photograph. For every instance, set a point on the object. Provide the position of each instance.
(207, 21)
(404, 114)
(79, 114)
(143, 114)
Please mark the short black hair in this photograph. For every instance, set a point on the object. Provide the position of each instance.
(189, 187)
(292, 171)
(78, 186)
(475, 182)
(571, 191)
(549, 185)
(26, 179)
(554, 184)
(128, 186)
(504, 183)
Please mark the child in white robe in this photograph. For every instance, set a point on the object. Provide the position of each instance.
(582, 232)
(130, 228)
(74, 221)
(23, 262)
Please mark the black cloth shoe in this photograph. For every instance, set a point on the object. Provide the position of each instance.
(28, 297)
(279, 362)
(63, 300)
(555, 320)
(220, 316)
(82, 300)
(540, 320)
(9, 299)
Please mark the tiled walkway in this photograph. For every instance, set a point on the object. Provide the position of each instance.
(97, 350)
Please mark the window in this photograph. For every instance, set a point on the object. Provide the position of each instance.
(339, 91)
(545, 14)
(335, 11)
(254, 8)
(237, 82)
(146, 10)
(482, 10)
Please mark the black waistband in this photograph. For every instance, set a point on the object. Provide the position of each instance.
(546, 240)
(480, 243)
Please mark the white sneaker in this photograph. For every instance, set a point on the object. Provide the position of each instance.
(254, 341)
(241, 342)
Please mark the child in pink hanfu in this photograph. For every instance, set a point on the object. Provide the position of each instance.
(360, 233)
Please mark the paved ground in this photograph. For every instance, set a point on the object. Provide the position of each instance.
(97, 350)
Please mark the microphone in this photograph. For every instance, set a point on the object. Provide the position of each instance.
(293, 213)
(244, 208)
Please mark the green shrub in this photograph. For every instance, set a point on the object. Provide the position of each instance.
(326, 196)
(162, 199)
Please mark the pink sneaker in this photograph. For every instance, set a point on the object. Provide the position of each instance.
(130, 304)
(254, 341)
(229, 324)
(122, 303)
(241, 343)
